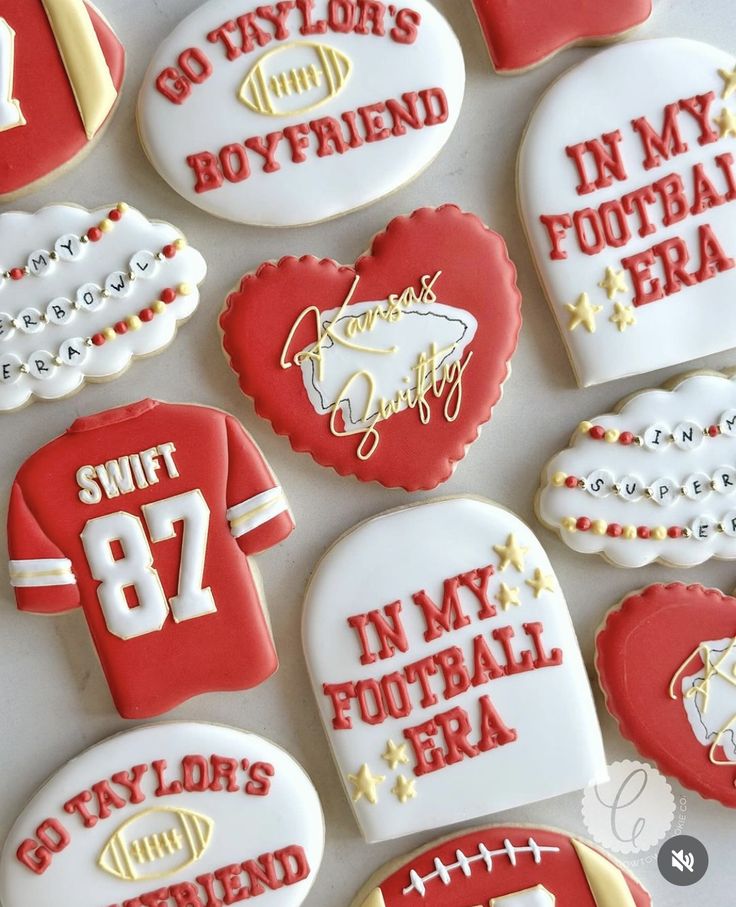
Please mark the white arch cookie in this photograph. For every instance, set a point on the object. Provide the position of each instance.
(183, 813)
(448, 662)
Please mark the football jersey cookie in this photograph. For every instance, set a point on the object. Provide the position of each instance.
(653, 481)
(387, 369)
(61, 70)
(290, 113)
(666, 660)
(525, 33)
(513, 865)
(180, 814)
(83, 293)
(626, 184)
(145, 516)
(448, 662)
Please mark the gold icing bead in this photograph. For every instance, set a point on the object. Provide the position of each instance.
(134, 322)
(184, 289)
(122, 207)
(659, 533)
(559, 478)
(109, 333)
(585, 427)
(569, 523)
(629, 532)
(105, 225)
(599, 527)
(158, 307)
(180, 243)
(612, 435)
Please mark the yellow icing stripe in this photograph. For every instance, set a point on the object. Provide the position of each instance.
(607, 883)
(374, 899)
(84, 61)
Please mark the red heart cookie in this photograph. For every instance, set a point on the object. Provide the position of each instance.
(666, 660)
(388, 369)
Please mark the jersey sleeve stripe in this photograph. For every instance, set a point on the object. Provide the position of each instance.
(250, 514)
(52, 571)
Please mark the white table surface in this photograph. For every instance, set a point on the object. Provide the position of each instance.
(54, 700)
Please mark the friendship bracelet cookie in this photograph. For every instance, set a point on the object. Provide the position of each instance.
(83, 293)
(146, 516)
(441, 671)
(653, 481)
(180, 814)
(290, 113)
(385, 370)
(666, 660)
(61, 71)
(524, 34)
(513, 865)
(627, 206)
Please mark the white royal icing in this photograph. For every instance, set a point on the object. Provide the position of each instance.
(605, 94)
(389, 559)
(166, 840)
(50, 356)
(289, 81)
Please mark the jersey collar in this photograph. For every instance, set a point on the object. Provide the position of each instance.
(111, 416)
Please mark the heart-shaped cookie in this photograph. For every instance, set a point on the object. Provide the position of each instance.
(385, 370)
(666, 660)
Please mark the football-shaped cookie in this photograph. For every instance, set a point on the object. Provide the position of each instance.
(514, 866)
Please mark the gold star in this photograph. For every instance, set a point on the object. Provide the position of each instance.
(508, 596)
(729, 82)
(395, 755)
(541, 583)
(727, 122)
(404, 789)
(623, 316)
(613, 283)
(511, 553)
(582, 312)
(365, 784)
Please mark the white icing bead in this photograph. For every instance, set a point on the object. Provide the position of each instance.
(729, 523)
(657, 437)
(73, 351)
(39, 262)
(728, 422)
(41, 365)
(599, 483)
(143, 264)
(59, 311)
(89, 297)
(9, 368)
(631, 488)
(117, 284)
(68, 247)
(664, 491)
(703, 528)
(7, 328)
(696, 486)
(29, 321)
(724, 480)
(688, 435)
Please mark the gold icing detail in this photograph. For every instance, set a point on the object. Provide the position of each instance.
(511, 553)
(541, 582)
(404, 789)
(508, 900)
(395, 755)
(582, 312)
(365, 784)
(614, 282)
(243, 518)
(507, 597)
(374, 899)
(729, 82)
(607, 882)
(9, 74)
(726, 122)
(623, 316)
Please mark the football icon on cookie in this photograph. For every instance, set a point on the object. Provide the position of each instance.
(156, 843)
(295, 78)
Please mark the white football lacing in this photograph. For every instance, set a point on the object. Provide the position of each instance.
(464, 862)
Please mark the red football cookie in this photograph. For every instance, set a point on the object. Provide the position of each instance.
(508, 866)
(387, 369)
(61, 68)
(525, 33)
(666, 660)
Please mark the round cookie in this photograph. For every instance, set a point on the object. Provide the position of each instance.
(171, 814)
(290, 113)
(61, 72)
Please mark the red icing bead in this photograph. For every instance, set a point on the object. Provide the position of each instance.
(94, 234)
(597, 432)
(583, 523)
(643, 532)
(121, 327)
(614, 530)
(115, 214)
(674, 532)
(98, 339)
(168, 295)
(713, 430)
(146, 314)
(169, 251)
(626, 438)
(571, 482)
(17, 273)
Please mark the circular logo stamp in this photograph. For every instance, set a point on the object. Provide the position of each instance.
(683, 860)
(633, 811)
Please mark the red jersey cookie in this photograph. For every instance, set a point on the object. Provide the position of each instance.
(525, 33)
(514, 866)
(666, 660)
(406, 350)
(145, 516)
(61, 69)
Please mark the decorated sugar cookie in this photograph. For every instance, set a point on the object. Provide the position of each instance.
(513, 865)
(525, 33)
(666, 658)
(180, 814)
(653, 481)
(83, 293)
(292, 113)
(146, 516)
(387, 369)
(446, 665)
(628, 205)
(61, 71)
